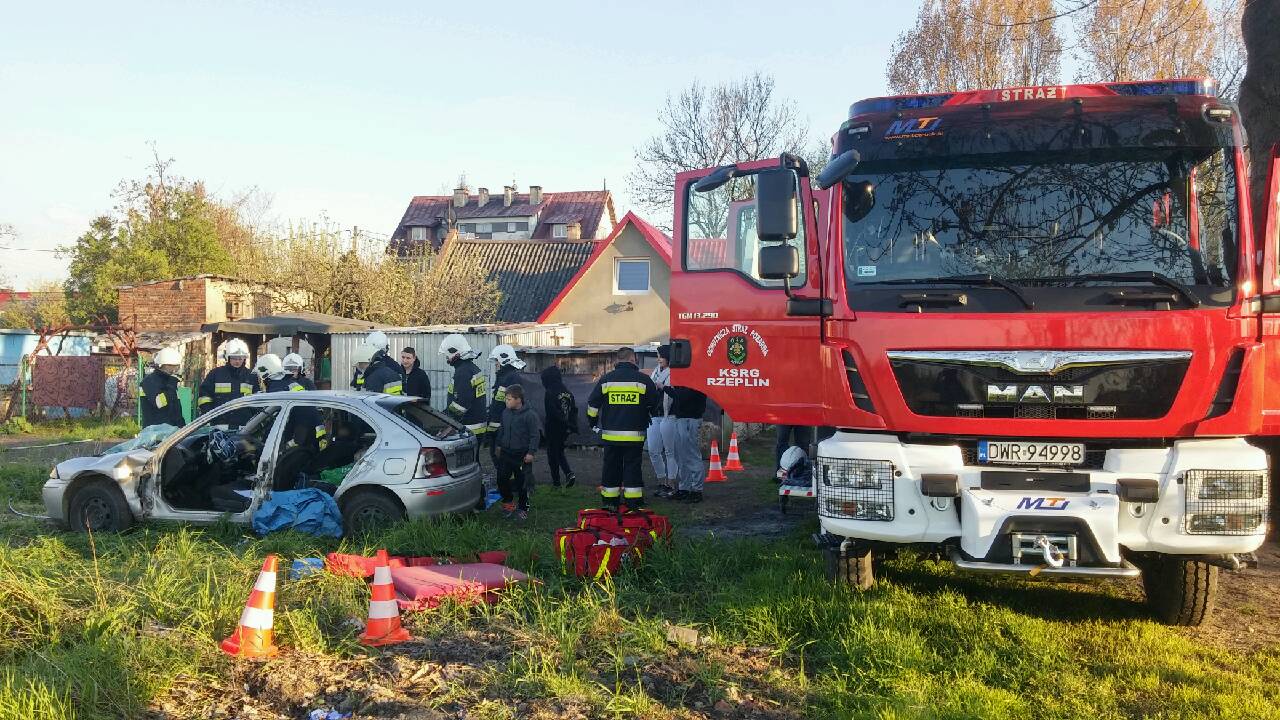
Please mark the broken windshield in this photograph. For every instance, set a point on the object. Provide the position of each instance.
(1036, 215)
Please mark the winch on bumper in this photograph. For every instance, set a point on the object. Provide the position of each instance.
(1194, 498)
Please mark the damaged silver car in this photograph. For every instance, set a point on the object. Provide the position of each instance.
(383, 459)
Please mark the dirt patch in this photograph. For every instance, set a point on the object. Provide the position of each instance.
(1247, 616)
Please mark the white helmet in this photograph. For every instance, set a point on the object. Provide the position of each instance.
(506, 355)
(364, 353)
(455, 346)
(292, 361)
(378, 341)
(237, 348)
(167, 356)
(270, 366)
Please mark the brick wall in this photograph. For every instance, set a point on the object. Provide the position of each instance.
(170, 305)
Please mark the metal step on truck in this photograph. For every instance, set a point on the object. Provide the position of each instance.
(1039, 318)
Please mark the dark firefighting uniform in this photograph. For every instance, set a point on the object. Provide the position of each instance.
(306, 416)
(158, 394)
(467, 394)
(620, 406)
(224, 384)
(384, 375)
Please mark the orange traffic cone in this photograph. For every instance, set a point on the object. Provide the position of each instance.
(734, 462)
(715, 473)
(384, 613)
(253, 636)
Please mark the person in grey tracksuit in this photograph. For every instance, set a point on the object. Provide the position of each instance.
(687, 408)
(517, 442)
(660, 438)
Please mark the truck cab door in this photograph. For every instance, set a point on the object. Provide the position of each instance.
(1269, 244)
(732, 335)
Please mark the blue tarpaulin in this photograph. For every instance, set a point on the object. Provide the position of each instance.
(309, 511)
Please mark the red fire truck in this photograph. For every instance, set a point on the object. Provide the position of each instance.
(1038, 317)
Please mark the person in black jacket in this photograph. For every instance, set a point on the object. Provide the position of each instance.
(517, 442)
(416, 382)
(158, 392)
(687, 408)
(562, 420)
(620, 407)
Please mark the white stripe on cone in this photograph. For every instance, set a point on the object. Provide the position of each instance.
(382, 575)
(266, 582)
(257, 618)
(383, 609)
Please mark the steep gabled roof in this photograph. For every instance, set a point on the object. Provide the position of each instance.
(530, 273)
(660, 243)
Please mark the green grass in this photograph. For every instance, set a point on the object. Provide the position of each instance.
(100, 628)
(89, 428)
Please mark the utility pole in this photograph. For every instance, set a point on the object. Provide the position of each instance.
(355, 239)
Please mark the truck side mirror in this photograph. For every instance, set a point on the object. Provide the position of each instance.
(779, 262)
(776, 205)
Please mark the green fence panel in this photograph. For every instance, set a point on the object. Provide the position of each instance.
(184, 397)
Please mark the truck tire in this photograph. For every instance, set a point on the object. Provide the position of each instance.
(369, 510)
(852, 567)
(99, 506)
(1180, 592)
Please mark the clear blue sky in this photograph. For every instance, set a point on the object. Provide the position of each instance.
(349, 108)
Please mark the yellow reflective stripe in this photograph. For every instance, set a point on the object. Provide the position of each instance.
(500, 394)
(142, 392)
(393, 388)
(564, 561)
(295, 387)
(162, 401)
(222, 387)
(610, 492)
(320, 431)
(456, 406)
(604, 562)
(630, 493)
(360, 380)
(606, 387)
(592, 411)
(477, 379)
(203, 400)
(623, 435)
(246, 389)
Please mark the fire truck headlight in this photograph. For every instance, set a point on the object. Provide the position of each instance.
(1229, 485)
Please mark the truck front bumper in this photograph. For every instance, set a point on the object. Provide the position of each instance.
(873, 487)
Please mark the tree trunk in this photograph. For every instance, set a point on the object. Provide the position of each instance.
(1260, 96)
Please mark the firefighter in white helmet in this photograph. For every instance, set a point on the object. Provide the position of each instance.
(383, 374)
(507, 367)
(271, 371)
(468, 390)
(298, 380)
(158, 392)
(228, 382)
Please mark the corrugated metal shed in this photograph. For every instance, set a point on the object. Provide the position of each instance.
(426, 342)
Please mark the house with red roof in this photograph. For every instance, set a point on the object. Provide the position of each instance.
(621, 294)
(534, 215)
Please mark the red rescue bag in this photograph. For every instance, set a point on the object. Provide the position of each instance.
(590, 552)
(641, 527)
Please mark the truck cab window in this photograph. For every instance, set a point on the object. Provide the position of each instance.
(720, 231)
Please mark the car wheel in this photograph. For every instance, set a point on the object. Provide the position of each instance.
(99, 506)
(369, 510)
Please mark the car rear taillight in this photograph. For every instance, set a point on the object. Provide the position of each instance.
(431, 464)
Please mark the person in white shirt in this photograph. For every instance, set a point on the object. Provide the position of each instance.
(661, 435)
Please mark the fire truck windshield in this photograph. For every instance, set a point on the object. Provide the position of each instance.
(1027, 216)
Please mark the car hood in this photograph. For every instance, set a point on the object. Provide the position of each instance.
(118, 465)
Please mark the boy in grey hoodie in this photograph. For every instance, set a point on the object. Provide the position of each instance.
(517, 443)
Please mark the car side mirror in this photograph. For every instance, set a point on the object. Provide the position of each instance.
(779, 262)
(776, 205)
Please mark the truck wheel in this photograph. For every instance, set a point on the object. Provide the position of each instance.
(853, 567)
(99, 506)
(369, 510)
(1180, 592)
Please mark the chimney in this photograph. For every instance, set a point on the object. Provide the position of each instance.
(484, 197)
(535, 194)
(508, 195)
(460, 196)
(573, 231)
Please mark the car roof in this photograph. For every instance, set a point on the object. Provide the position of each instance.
(360, 397)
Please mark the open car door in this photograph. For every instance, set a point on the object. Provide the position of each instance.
(735, 335)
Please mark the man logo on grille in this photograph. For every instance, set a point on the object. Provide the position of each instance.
(737, 349)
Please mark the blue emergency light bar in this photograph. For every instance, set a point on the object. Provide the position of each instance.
(1147, 88)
